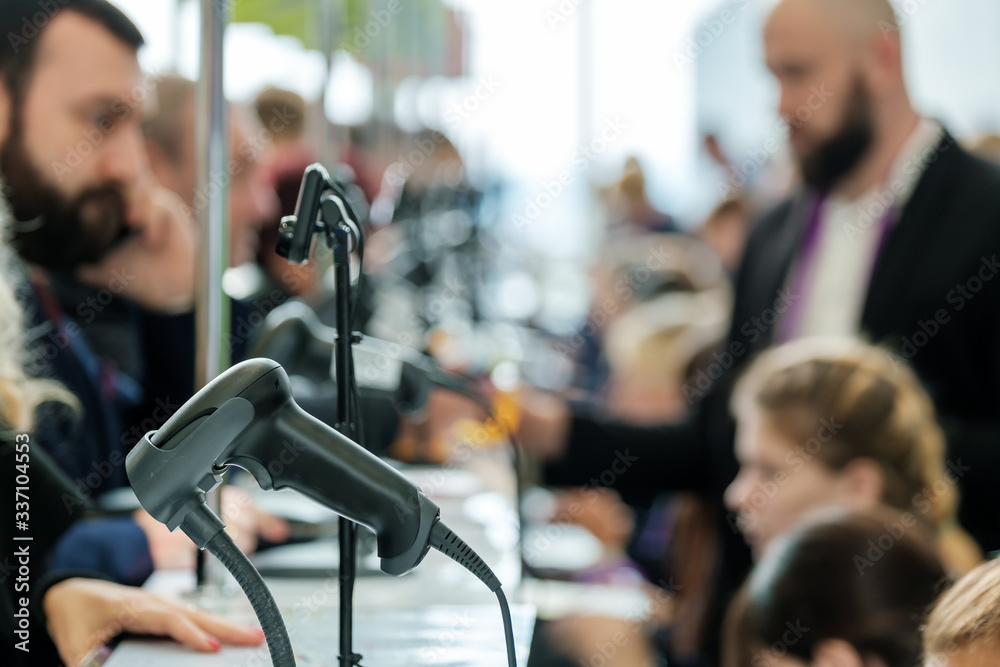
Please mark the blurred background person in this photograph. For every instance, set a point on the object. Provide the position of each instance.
(726, 230)
(168, 339)
(629, 274)
(652, 348)
(283, 114)
(840, 423)
(629, 209)
(815, 599)
(170, 143)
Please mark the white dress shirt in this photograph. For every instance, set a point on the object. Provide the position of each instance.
(849, 239)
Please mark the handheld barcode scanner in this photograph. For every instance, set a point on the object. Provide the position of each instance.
(317, 194)
(293, 335)
(246, 417)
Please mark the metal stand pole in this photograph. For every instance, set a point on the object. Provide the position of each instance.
(324, 208)
(348, 534)
(212, 309)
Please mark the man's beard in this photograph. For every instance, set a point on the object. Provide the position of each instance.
(50, 229)
(837, 156)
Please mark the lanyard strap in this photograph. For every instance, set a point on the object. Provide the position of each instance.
(804, 272)
(111, 384)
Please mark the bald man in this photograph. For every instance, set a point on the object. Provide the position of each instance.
(894, 237)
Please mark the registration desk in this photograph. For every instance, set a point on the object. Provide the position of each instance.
(439, 614)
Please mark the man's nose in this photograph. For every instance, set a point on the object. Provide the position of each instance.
(124, 159)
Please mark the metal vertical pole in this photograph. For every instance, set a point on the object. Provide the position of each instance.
(328, 28)
(176, 36)
(585, 32)
(211, 200)
(326, 14)
(348, 531)
(585, 46)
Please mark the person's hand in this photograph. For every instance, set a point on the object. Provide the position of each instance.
(602, 512)
(245, 523)
(169, 550)
(582, 638)
(544, 426)
(156, 267)
(86, 613)
(542, 422)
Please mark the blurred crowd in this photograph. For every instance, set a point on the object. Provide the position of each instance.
(777, 424)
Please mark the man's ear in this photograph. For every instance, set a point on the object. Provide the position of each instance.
(885, 62)
(836, 653)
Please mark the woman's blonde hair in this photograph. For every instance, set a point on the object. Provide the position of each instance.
(656, 342)
(20, 395)
(879, 411)
(966, 617)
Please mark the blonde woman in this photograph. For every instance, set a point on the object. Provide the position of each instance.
(839, 422)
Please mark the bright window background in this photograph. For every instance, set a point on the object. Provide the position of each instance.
(553, 95)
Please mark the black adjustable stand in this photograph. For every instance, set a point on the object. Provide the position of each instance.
(323, 208)
(338, 237)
